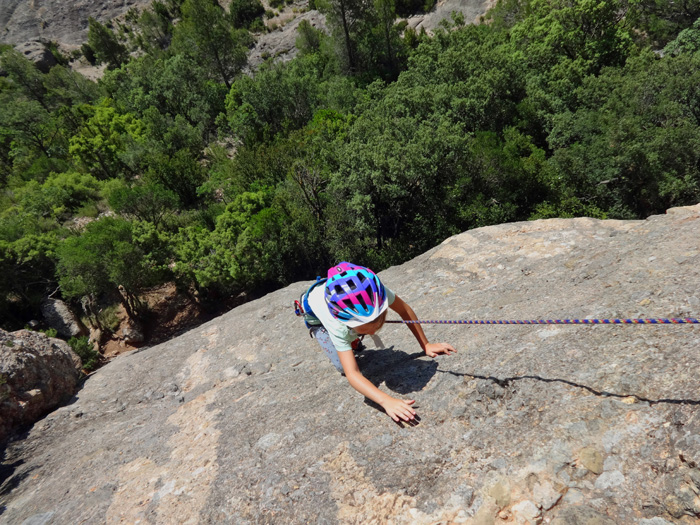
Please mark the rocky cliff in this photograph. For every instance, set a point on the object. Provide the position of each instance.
(23, 24)
(63, 22)
(243, 420)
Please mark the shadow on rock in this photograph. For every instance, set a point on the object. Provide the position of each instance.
(401, 372)
(9, 481)
(506, 381)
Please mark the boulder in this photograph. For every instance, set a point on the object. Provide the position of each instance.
(132, 332)
(244, 420)
(37, 52)
(60, 317)
(37, 373)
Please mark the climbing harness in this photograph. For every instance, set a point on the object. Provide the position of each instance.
(686, 320)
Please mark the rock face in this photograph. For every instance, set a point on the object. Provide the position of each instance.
(281, 44)
(37, 373)
(60, 317)
(26, 24)
(243, 419)
(472, 10)
(36, 51)
(57, 20)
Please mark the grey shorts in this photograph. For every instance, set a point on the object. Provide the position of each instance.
(321, 335)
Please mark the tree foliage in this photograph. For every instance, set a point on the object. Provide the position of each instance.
(105, 45)
(206, 35)
(375, 143)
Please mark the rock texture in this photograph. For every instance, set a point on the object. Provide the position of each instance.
(472, 10)
(60, 317)
(37, 373)
(243, 420)
(37, 52)
(281, 44)
(57, 20)
(27, 24)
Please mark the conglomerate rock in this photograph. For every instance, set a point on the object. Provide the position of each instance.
(37, 373)
(243, 420)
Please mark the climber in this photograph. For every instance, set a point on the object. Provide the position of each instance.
(350, 303)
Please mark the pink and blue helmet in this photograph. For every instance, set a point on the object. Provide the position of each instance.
(354, 294)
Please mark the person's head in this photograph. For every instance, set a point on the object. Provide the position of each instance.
(372, 327)
(355, 296)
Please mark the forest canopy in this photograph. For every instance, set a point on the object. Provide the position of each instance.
(374, 144)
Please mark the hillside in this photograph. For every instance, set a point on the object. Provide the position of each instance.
(63, 22)
(66, 23)
(242, 420)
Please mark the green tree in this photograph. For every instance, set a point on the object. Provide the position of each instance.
(687, 41)
(279, 98)
(28, 124)
(172, 155)
(309, 39)
(206, 34)
(152, 28)
(149, 202)
(100, 260)
(60, 196)
(67, 88)
(27, 268)
(25, 76)
(632, 147)
(175, 85)
(244, 12)
(345, 19)
(106, 46)
(104, 140)
(660, 21)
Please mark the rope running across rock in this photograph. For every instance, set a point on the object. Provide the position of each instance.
(657, 321)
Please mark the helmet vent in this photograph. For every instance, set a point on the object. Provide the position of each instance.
(362, 301)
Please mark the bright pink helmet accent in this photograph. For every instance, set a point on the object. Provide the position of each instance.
(354, 294)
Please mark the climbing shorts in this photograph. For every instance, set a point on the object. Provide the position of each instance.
(321, 335)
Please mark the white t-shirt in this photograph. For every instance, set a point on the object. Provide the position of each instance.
(341, 335)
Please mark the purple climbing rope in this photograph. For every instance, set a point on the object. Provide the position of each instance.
(686, 320)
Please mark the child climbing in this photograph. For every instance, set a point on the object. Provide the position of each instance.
(350, 303)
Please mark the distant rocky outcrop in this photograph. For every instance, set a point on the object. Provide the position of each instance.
(243, 419)
(57, 20)
(281, 44)
(38, 53)
(37, 373)
(26, 25)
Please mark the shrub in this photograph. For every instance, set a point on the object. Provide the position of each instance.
(109, 317)
(244, 12)
(83, 347)
(257, 26)
(50, 332)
